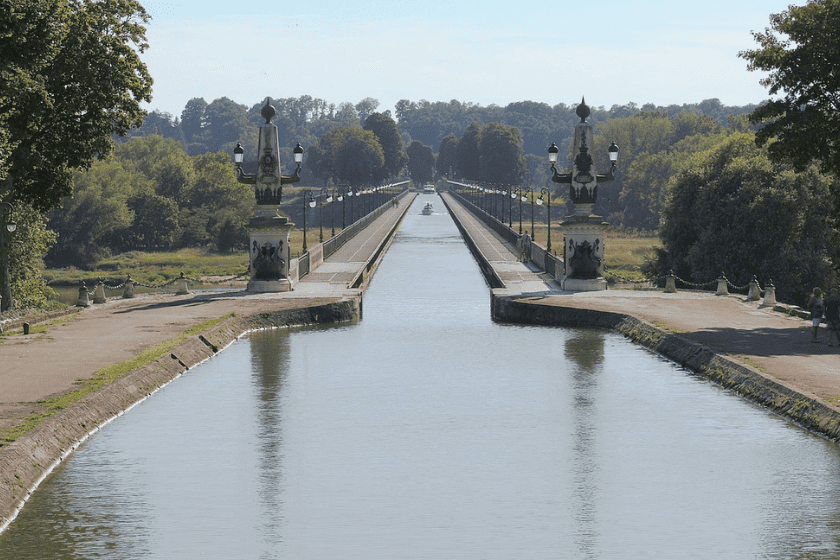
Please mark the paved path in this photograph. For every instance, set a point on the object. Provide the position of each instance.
(517, 276)
(774, 343)
(335, 274)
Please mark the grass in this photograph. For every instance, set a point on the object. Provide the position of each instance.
(50, 407)
(155, 267)
(626, 253)
(39, 328)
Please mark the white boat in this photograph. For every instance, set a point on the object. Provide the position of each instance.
(429, 189)
(429, 209)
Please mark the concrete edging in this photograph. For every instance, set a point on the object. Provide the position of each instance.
(27, 461)
(805, 411)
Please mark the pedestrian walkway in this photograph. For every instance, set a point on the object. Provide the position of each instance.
(338, 273)
(517, 276)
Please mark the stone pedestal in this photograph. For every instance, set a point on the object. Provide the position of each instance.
(268, 244)
(583, 252)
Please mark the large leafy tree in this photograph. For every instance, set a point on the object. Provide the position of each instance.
(447, 160)
(226, 122)
(96, 218)
(734, 210)
(802, 55)
(346, 153)
(467, 152)
(70, 78)
(500, 154)
(421, 162)
(388, 134)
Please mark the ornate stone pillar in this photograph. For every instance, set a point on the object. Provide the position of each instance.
(268, 231)
(583, 231)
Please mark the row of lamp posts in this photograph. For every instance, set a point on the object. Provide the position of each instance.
(480, 199)
(311, 200)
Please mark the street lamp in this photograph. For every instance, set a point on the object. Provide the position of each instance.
(321, 218)
(269, 230)
(309, 201)
(9, 227)
(268, 180)
(583, 180)
(544, 192)
(342, 196)
(531, 197)
(518, 194)
(330, 198)
(583, 232)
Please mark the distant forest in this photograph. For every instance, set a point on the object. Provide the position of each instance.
(216, 126)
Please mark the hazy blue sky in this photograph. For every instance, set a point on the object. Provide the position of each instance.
(611, 51)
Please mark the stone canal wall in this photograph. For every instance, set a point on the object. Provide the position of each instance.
(750, 383)
(34, 455)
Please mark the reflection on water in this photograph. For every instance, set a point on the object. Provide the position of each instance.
(427, 431)
(585, 349)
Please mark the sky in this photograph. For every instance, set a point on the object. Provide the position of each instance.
(612, 52)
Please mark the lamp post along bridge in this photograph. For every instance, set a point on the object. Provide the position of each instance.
(268, 230)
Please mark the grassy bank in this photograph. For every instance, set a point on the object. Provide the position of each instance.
(155, 268)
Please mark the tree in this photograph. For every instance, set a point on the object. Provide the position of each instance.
(192, 117)
(226, 122)
(421, 162)
(347, 153)
(155, 223)
(468, 153)
(25, 248)
(802, 55)
(366, 107)
(70, 78)
(651, 144)
(733, 210)
(92, 222)
(388, 135)
(447, 160)
(500, 154)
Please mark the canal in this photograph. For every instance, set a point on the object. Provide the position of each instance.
(427, 431)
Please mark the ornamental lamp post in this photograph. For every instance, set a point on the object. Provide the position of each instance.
(321, 218)
(543, 193)
(9, 228)
(269, 229)
(310, 202)
(342, 197)
(514, 194)
(531, 197)
(334, 195)
(583, 243)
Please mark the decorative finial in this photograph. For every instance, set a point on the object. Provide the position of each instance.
(582, 110)
(268, 111)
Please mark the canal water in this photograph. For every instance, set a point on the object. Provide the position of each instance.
(427, 431)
